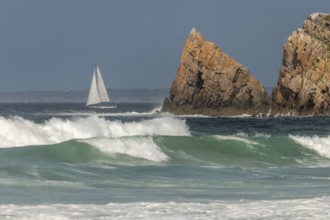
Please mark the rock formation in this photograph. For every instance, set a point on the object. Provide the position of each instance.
(304, 82)
(210, 82)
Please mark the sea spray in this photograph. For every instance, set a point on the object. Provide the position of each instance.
(236, 138)
(58, 130)
(310, 208)
(99, 163)
(140, 147)
(321, 145)
(159, 126)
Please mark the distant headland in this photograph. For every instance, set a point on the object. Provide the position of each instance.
(210, 82)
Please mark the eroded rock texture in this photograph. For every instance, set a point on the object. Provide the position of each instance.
(304, 81)
(210, 82)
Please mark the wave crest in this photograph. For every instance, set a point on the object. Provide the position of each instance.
(235, 138)
(139, 147)
(17, 131)
(321, 145)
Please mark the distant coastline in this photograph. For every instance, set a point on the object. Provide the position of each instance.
(67, 96)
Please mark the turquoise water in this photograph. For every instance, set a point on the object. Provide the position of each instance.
(60, 160)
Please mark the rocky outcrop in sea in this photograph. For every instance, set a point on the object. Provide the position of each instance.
(304, 82)
(210, 82)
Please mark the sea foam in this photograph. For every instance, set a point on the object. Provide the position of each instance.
(315, 208)
(239, 138)
(139, 147)
(321, 145)
(17, 131)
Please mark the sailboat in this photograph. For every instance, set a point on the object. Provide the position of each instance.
(98, 96)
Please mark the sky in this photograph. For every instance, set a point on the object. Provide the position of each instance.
(52, 45)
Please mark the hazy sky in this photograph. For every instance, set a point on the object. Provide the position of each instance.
(53, 45)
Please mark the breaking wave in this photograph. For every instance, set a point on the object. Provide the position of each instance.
(166, 147)
(163, 139)
(138, 147)
(320, 145)
(18, 131)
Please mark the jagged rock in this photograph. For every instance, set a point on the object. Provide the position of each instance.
(304, 81)
(210, 82)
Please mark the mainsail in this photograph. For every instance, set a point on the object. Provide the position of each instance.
(97, 92)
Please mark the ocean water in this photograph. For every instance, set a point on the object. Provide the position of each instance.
(65, 161)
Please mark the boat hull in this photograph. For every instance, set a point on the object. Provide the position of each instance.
(103, 105)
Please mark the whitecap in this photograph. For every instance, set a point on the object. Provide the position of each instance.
(321, 145)
(139, 147)
(315, 208)
(17, 131)
(236, 138)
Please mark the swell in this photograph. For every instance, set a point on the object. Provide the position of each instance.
(216, 150)
(165, 140)
(67, 152)
(17, 131)
(239, 151)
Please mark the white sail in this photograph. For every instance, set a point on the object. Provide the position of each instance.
(102, 91)
(97, 92)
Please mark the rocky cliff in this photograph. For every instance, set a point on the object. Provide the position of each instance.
(210, 82)
(304, 82)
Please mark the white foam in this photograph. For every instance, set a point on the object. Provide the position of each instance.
(321, 145)
(262, 135)
(21, 132)
(169, 126)
(194, 116)
(242, 134)
(235, 138)
(239, 116)
(140, 147)
(315, 208)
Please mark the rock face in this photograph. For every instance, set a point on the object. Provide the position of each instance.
(304, 82)
(210, 82)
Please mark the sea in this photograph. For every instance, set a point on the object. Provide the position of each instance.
(66, 161)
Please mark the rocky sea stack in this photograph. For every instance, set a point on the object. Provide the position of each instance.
(210, 82)
(304, 82)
